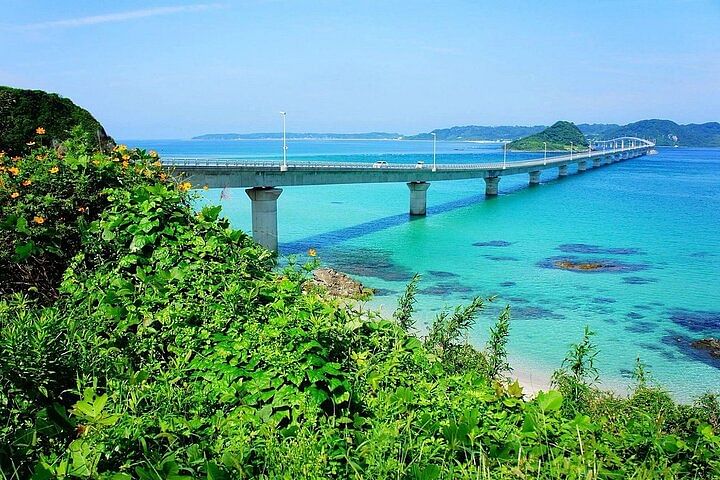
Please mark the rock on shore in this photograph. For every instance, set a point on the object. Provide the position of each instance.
(339, 284)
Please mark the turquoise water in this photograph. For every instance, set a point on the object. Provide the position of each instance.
(655, 219)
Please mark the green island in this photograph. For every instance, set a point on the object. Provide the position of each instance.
(143, 339)
(560, 136)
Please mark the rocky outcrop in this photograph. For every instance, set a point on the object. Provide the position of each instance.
(711, 345)
(339, 284)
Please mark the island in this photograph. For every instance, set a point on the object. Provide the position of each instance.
(560, 136)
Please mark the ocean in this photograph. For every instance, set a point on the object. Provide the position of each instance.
(654, 220)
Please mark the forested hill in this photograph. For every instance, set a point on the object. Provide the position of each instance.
(478, 132)
(560, 136)
(669, 133)
(22, 112)
(300, 136)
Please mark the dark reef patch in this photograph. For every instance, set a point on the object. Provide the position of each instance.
(500, 258)
(702, 254)
(507, 284)
(634, 316)
(696, 320)
(597, 249)
(445, 288)
(533, 312)
(643, 307)
(369, 262)
(517, 299)
(594, 265)
(640, 327)
(442, 274)
(493, 243)
(638, 280)
(603, 300)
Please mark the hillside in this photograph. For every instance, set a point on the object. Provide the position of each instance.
(669, 133)
(23, 111)
(477, 132)
(557, 137)
(299, 136)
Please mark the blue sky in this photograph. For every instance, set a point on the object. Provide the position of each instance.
(174, 69)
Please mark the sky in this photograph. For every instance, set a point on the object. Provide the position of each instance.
(174, 69)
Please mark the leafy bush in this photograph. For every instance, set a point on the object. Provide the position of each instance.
(175, 348)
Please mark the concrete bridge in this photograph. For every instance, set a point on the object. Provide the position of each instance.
(261, 179)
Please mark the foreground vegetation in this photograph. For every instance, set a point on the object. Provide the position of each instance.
(142, 339)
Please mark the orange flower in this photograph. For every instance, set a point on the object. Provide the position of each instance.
(54, 169)
(157, 164)
(163, 176)
(205, 187)
(125, 164)
(185, 186)
(15, 194)
(38, 220)
(82, 209)
(153, 154)
(126, 157)
(312, 252)
(40, 131)
(26, 183)
(14, 171)
(96, 162)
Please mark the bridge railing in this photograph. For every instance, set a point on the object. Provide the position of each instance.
(218, 162)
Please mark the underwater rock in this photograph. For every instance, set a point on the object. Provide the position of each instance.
(634, 316)
(445, 288)
(711, 345)
(603, 300)
(597, 249)
(442, 274)
(493, 243)
(507, 284)
(696, 320)
(500, 258)
(369, 262)
(638, 280)
(533, 312)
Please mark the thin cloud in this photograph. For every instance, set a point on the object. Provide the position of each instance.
(119, 17)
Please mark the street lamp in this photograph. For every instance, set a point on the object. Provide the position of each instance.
(434, 140)
(545, 157)
(283, 167)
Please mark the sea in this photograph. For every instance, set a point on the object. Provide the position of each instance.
(653, 223)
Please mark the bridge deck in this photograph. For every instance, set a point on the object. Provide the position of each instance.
(218, 173)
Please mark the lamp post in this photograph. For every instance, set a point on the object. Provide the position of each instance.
(545, 157)
(283, 167)
(434, 140)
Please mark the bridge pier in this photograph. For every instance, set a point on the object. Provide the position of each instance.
(597, 161)
(562, 171)
(264, 215)
(491, 186)
(418, 197)
(534, 178)
(582, 165)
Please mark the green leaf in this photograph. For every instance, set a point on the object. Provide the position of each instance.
(549, 401)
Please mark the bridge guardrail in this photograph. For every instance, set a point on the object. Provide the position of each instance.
(265, 164)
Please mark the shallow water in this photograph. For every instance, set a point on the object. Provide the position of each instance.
(654, 221)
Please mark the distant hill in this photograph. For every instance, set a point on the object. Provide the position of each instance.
(478, 132)
(669, 133)
(558, 137)
(300, 136)
(23, 111)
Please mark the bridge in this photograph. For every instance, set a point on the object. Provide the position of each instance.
(262, 178)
